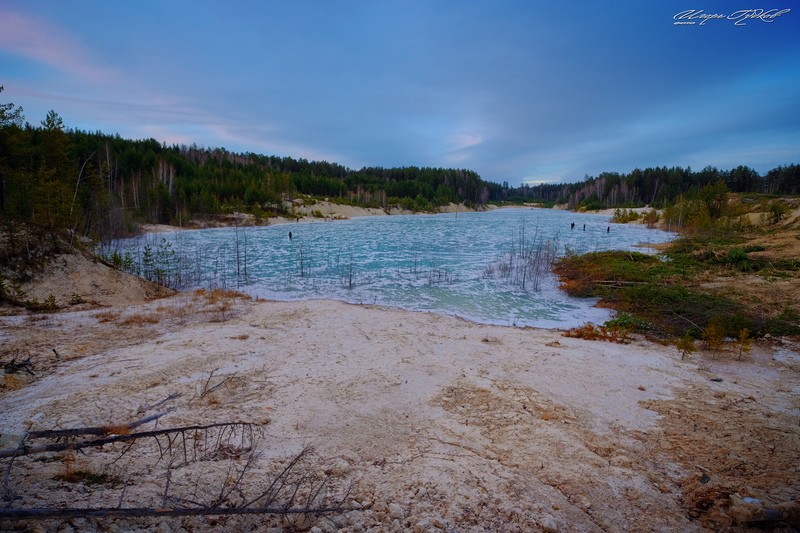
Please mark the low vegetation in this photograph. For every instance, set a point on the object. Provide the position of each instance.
(705, 284)
(600, 333)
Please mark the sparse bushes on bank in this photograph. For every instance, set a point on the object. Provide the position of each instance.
(663, 296)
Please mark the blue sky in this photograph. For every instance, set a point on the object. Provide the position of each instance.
(519, 91)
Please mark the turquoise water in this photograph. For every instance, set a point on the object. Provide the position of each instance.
(450, 264)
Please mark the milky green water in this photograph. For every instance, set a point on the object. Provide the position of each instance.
(448, 263)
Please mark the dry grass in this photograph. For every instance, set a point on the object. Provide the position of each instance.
(221, 310)
(13, 381)
(225, 294)
(123, 429)
(16, 365)
(106, 316)
(220, 301)
(33, 319)
(218, 304)
(140, 319)
(601, 333)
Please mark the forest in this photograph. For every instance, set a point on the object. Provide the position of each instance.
(101, 186)
(654, 186)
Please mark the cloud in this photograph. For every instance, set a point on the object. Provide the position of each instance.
(35, 39)
(465, 139)
(267, 141)
(459, 146)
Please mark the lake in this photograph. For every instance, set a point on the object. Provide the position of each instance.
(489, 267)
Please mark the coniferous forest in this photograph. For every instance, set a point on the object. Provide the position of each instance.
(101, 185)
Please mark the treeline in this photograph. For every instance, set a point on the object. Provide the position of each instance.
(101, 185)
(658, 186)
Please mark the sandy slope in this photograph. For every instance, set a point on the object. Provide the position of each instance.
(78, 277)
(439, 424)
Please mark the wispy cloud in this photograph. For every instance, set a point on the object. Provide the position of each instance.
(465, 139)
(35, 39)
(266, 140)
(117, 100)
(459, 146)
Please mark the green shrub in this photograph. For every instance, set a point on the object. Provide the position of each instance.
(785, 323)
(629, 322)
(754, 248)
(50, 303)
(737, 257)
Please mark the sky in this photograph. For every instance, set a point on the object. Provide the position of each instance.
(520, 91)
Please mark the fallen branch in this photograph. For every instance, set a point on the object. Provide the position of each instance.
(145, 408)
(13, 367)
(61, 446)
(99, 430)
(296, 490)
(45, 513)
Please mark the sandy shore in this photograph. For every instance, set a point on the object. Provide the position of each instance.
(438, 424)
(313, 212)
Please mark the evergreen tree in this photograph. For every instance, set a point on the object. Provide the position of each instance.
(10, 115)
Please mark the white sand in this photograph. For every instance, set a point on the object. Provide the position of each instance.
(439, 423)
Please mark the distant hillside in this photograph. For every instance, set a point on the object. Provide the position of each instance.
(99, 185)
(659, 186)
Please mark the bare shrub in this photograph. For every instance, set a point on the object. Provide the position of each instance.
(106, 316)
(140, 319)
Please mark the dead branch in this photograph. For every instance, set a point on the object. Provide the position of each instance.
(47, 513)
(297, 489)
(99, 430)
(170, 432)
(280, 498)
(208, 390)
(145, 408)
(14, 367)
(279, 482)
